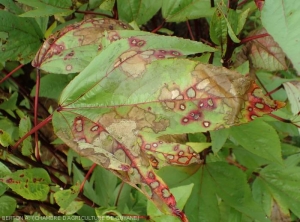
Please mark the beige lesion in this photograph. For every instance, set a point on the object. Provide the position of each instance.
(170, 97)
(227, 85)
(133, 63)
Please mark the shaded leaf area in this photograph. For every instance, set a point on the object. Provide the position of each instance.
(215, 184)
(47, 7)
(32, 184)
(121, 125)
(182, 10)
(263, 53)
(280, 20)
(20, 37)
(139, 11)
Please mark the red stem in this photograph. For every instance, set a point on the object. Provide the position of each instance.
(251, 38)
(33, 130)
(159, 27)
(119, 193)
(190, 30)
(36, 100)
(12, 72)
(87, 176)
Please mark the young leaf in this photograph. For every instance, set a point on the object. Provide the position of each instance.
(278, 17)
(65, 197)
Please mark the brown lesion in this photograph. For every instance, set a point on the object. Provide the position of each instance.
(145, 119)
(226, 85)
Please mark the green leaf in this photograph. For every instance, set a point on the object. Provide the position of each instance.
(242, 18)
(105, 184)
(218, 30)
(24, 127)
(48, 8)
(8, 206)
(259, 138)
(279, 18)
(52, 85)
(4, 170)
(282, 182)
(65, 197)
(140, 11)
(11, 103)
(292, 91)
(5, 138)
(182, 10)
(20, 37)
(66, 200)
(218, 139)
(32, 184)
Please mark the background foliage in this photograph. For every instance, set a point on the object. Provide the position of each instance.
(250, 172)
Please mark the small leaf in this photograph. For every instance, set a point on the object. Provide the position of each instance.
(293, 93)
(259, 138)
(47, 8)
(278, 17)
(183, 10)
(5, 138)
(24, 127)
(8, 206)
(65, 197)
(138, 10)
(218, 139)
(32, 184)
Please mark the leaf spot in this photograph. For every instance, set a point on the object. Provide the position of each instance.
(154, 184)
(69, 67)
(206, 123)
(191, 93)
(166, 193)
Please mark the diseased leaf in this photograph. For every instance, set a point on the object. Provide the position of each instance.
(139, 11)
(31, 184)
(263, 53)
(279, 18)
(47, 8)
(120, 115)
(71, 49)
(182, 10)
(20, 37)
